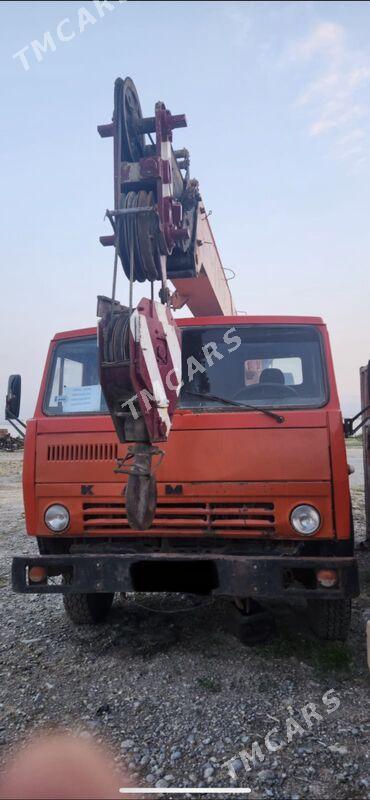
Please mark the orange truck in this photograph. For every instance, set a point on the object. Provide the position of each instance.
(202, 455)
(253, 492)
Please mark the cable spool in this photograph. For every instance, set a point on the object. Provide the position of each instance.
(139, 232)
(149, 177)
(120, 338)
(116, 339)
(128, 117)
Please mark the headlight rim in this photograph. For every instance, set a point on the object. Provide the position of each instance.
(61, 530)
(312, 508)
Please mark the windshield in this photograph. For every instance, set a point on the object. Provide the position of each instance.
(73, 386)
(268, 366)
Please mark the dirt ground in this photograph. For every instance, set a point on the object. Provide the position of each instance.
(178, 695)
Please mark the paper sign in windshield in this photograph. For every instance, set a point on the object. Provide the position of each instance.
(77, 399)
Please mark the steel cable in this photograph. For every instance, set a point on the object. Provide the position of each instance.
(138, 233)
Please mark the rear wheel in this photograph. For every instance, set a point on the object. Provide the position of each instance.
(330, 619)
(86, 609)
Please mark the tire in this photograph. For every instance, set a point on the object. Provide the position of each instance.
(330, 619)
(86, 609)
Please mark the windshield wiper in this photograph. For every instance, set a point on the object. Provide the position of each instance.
(207, 396)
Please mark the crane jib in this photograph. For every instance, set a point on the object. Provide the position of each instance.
(161, 231)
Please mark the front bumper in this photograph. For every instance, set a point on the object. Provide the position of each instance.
(268, 577)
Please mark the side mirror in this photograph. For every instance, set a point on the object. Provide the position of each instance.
(13, 397)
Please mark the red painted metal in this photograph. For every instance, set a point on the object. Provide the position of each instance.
(182, 247)
(169, 210)
(140, 370)
(133, 173)
(155, 356)
(301, 460)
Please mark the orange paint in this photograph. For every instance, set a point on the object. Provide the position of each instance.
(228, 465)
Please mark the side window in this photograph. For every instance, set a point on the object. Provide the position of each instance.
(74, 381)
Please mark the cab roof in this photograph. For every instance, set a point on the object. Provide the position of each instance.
(212, 321)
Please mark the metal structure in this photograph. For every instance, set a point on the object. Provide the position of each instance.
(365, 403)
(253, 492)
(9, 443)
(160, 231)
(353, 424)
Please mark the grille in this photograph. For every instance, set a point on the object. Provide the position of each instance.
(258, 517)
(104, 451)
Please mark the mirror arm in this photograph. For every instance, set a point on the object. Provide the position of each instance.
(349, 430)
(10, 419)
(19, 430)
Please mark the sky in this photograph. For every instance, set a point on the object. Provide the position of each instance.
(277, 98)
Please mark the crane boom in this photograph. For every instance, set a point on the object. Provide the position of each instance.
(207, 294)
(153, 179)
(161, 232)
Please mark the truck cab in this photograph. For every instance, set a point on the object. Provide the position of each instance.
(253, 491)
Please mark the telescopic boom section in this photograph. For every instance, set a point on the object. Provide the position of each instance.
(207, 294)
(161, 232)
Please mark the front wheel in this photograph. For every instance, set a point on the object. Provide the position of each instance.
(330, 619)
(86, 609)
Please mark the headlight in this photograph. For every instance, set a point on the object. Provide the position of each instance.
(57, 518)
(305, 519)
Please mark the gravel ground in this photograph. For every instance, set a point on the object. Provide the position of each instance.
(177, 696)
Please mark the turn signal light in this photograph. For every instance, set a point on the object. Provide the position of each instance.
(37, 574)
(327, 577)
